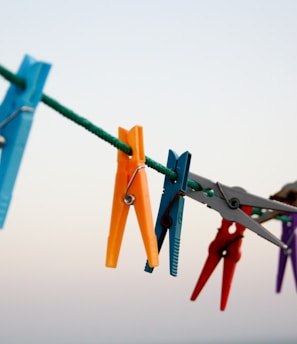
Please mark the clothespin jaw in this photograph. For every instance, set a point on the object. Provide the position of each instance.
(226, 245)
(131, 188)
(16, 116)
(171, 208)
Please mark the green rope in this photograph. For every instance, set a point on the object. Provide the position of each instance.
(85, 123)
(15, 79)
(282, 218)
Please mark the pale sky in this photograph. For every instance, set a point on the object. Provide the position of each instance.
(215, 78)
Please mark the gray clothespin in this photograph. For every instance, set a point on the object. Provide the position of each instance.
(228, 200)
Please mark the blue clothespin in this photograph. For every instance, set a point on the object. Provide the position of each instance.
(171, 207)
(16, 116)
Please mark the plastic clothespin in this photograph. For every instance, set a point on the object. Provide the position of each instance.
(289, 237)
(171, 208)
(287, 194)
(16, 116)
(228, 201)
(131, 188)
(226, 245)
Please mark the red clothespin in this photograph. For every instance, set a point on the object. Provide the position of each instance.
(226, 245)
(131, 188)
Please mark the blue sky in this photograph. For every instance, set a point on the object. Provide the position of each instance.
(216, 78)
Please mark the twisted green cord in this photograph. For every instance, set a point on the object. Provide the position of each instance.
(282, 218)
(15, 79)
(85, 123)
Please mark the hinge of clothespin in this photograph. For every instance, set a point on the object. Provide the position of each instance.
(16, 116)
(131, 188)
(171, 208)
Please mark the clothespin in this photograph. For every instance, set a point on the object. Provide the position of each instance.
(171, 208)
(16, 116)
(131, 188)
(289, 237)
(226, 245)
(288, 195)
(228, 201)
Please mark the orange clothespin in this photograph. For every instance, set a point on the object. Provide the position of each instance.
(225, 245)
(131, 188)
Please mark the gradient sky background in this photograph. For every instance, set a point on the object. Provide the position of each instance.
(216, 78)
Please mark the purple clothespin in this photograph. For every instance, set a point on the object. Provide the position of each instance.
(288, 237)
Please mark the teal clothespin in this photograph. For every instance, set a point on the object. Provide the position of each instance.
(16, 116)
(171, 208)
